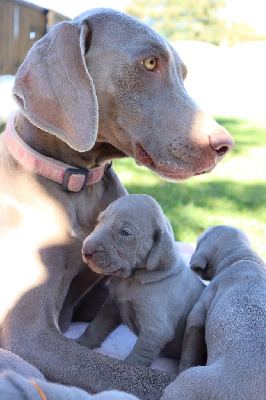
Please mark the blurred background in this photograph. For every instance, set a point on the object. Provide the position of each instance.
(223, 44)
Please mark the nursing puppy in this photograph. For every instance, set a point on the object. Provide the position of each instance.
(230, 316)
(151, 288)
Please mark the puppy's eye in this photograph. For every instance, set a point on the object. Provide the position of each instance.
(150, 63)
(125, 232)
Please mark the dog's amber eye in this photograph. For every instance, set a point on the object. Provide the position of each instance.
(150, 63)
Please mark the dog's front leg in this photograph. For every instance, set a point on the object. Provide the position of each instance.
(40, 342)
(63, 361)
(67, 362)
(81, 283)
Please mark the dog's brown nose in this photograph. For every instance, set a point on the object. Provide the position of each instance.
(221, 141)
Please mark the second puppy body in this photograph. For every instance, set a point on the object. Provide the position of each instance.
(230, 318)
(151, 288)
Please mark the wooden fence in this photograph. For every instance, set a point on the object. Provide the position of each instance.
(21, 24)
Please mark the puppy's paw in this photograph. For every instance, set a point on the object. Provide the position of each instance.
(91, 344)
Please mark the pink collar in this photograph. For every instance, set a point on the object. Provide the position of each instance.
(72, 179)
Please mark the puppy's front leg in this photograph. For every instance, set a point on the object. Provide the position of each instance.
(103, 324)
(147, 347)
(194, 350)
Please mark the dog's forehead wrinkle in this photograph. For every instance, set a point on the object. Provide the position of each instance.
(152, 49)
(115, 22)
(149, 44)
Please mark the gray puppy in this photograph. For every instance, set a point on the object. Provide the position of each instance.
(151, 287)
(230, 316)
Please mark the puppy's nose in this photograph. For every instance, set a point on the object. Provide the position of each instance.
(88, 253)
(221, 141)
(89, 249)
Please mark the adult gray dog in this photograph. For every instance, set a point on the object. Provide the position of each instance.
(150, 287)
(230, 316)
(100, 87)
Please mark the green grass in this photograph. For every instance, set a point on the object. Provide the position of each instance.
(234, 193)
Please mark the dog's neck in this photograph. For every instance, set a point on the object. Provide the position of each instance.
(51, 146)
(240, 252)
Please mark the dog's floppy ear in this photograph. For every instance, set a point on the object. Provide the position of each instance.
(162, 254)
(54, 89)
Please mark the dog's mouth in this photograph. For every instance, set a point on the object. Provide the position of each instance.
(172, 172)
(143, 157)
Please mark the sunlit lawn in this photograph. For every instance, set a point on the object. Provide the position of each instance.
(234, 193)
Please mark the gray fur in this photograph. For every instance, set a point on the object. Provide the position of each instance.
(15, 386)
(150, 286)
(230, 316)
(10, 361)
(85, 98)
(18, 379)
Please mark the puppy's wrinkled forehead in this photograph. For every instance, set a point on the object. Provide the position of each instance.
(216, 235)
(141, 209)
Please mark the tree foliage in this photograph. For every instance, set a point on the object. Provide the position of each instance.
(191, 20)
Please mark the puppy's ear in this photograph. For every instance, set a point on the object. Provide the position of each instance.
(162, 254)
(54, 89)
(199, 261)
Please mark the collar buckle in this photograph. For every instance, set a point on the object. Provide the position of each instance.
(75, 171)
